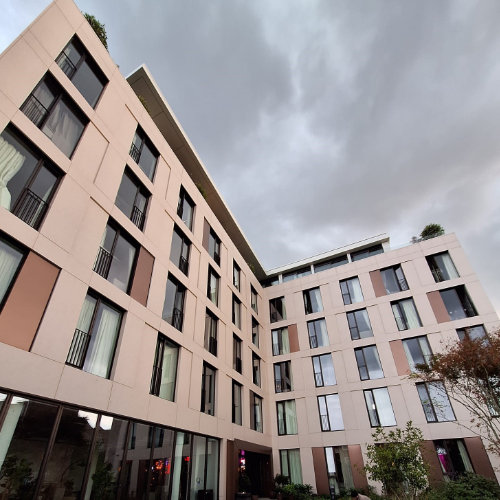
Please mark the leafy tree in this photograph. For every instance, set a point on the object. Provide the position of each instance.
(467, 487)
(99, 28)
(396, 462)
(431, 231)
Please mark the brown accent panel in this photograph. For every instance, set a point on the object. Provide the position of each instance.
(357, 464)
(428, 451)
(142, 277)
(293, 338)
(438, 307)
(479, 457)
(231, 469)
(27, 301)
(399, 355)
(378, 284)
(206, 233)
(319, 462)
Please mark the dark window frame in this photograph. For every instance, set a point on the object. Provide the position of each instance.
(364, 364)
(417, 338)
(253, 406)
(308, 304)
(402, 315)
(180, 288)
(137, 216)
(354, 329)
(284, 382)
(217, 246)
(371, 251)
(22, 250)
(236, 276)
(136, 152)
(183, 263)
(237, 349)
(212, 387)
(330, 264)
(236, 301)
(211, 272)
(344, 290)
(255, 332)
(282, 429)
(278, 348)
(256, 370)
(184, 196)
(312, 324)
(401, 282)
(322, 420)
(274, 315)
(298, 273)
(288, 461)
(430, 402)
(436, 271)
(254, 294)
(461, 292)
(233, 403)
(465, 332)
(378, 424)
(161, 342)
(319, 379)
(211, 332)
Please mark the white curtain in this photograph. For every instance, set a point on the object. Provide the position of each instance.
(384, 407)
(291, 417)
(86, 314)
(345, 463)
(9, 262)
(334, 412)
(449, 266)
(465, 456)
(295, 467)
(355, 289)
(410, 313)
(63, 129)
(11, 162)
(322, 332)
(285, 341)
(169, 368)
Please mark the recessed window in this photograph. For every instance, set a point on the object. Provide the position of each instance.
(208, 389)
(291, 466)
(330, 413)
(55, 114)
(237, 409)
(11, 258)
(179, 250)
(236, 312)
(164, 369)
(406, 314)
(271, 282)
(29, 181)
(394, 279)
(173, 306)
(256, 412)
(453, 458)
(277, 309)
(255, 332)
(185, 208)
(359, 324)
(283, 376)
(442, 267)
(318, 334)
(472, 332)
(324, 266)
(312, 301)
(94, 341)
(82, 70)
(435, 402)
(253, 299)
(458, 303)
(379, 406)
(287, 418)
(213, 286)
(144, 153)
(338, 468)
(132, 198)
(418, 351)
(366, 252)
(211, 322)
(324, 374)
(369, 365)
(351, 291)
(292, 275)
(237, 354)
(236, 276)
(256, 369)
(281, 342)
(214, 246)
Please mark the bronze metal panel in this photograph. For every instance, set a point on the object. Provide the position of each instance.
(357, 464)
(428, 451)
(479, 457)
(438, 307)
(293, 338)
(399, 355)
(142, 277)
(320, 471)
(378, 284)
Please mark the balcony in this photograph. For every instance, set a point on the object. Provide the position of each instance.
(35, 110)
(184, 265)
(177, 319)
(138, 217)
(78, 349)
(135, 153)
(438, 275)
(30, 208)
(318, 377)
(217, 258)
(156, 380)
(67, 67)
(103, 262)
(212, 346)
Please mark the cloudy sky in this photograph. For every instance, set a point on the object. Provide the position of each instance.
(326, 122)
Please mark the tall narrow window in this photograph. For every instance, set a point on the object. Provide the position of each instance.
(236, 312)
(256, 369)
(442, 267)
(144, 153)
(359, 324)
(312, 301)
(283, 376)
(173, 306)
(208, 390)
(11, 257)
(471, 332)
(435, 402)
(281, 342)
(318, 335)
(351, 291)
(338, 468)
(369, 365)
(287, 417)
(256, 412)
(237, 410)
(255, 332)
(211, 332)
(418, 351)
(94, 341)
(82, 70)
(55, 114)
(379, 406)
(179, 251)
(394, 279)
(213, 286)
(236, 276)
(330, 413)
(214, 246)
(116, 257)
(277, 309)
(458, 303)
(185, 208)
(237, 354)
(406, 314)
(164, 369)
(253, 299)
(132, 198)
(27, 180)
(290, 465)
(366, 252)
(453, 458)
(324, 374)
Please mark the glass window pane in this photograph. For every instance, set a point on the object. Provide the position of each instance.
(212, 469)
(187, 213)
(363, 323)
(181, 466)
(44, 94)
(168, 305)
(295, 466)
(10, 259)
(328, 371)
(426, 403)
(384, 407)
(372, 409)
(373, 362)
(122, 263)
(87, 82)
(440, 401)
(73, 53)
(168, 371)
(147, 161)
(43, 183)
(176, 248)
(390, 281)
(334, 412)
(126, 195)
(284, 463)
(413, 353)
(453, 304)
(162, 464)
(198, 466)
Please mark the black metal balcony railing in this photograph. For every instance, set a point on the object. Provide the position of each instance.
(313, 339)
(438, 275)
(212, 346)
(281, 427)
(66, 65)
(274, 317)
(78, 349)
(156, 380)
(403, 284)
(402, 325)
(468, 306)
(325, 423)
(135, 153)
(217, 258)
(137, 217)
(279, 385)
(318, 377)
(103, 262)
(177, 319)
(184, 265)
(179, 208)
(30, 208)
(354, 332)
(276, 350)
(238, 365)
(34, 110)
(347, 298)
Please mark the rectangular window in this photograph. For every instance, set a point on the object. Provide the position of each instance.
(255, 332)
(312, 301)
(271, 282)
(236, 312)
(458, 303)
(237, 410)
(185, 208)
(338, 468)
(318, 335)
(435, 402)
(359, 324)
(29, 180)
(394, 279)
(256, 412)
(11, 258)
(208, 390)
(283, 376)
(442, 267)
(179, 250)
(453, 458)
(95, 338)
(369, 365)
(277, 309)
(351, 291)
(287, 418)
(290, 465)
(471, 332)
(256, 369)
(82, 70)
(214, 246)
(324, 266)
(164, 369)
(330, 413)
(213, 286)
(236, 276)
(237, 354)
(253, 299)
(418, 351)
(132, 198)
(173, 306)
(116, 258)
(324, 374)
(366, 252)
(379, 406)
(211, 322)
(144, 153)
(406, 314)
(292, 275)
(281, 343)
(55, 114)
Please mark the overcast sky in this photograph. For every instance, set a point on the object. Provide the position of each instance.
(326, 122)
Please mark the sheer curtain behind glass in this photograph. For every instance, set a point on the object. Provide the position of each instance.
(10, 259)
(169, 368)
(11, 162)
(295, 466)
(410, 312)
(291, 417)
(384, 407)
(446, 266)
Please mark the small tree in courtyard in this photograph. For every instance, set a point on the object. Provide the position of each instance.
(396, 462)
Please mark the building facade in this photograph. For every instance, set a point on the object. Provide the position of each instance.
(145, 352)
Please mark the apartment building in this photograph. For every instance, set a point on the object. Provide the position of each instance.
(144, 350)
